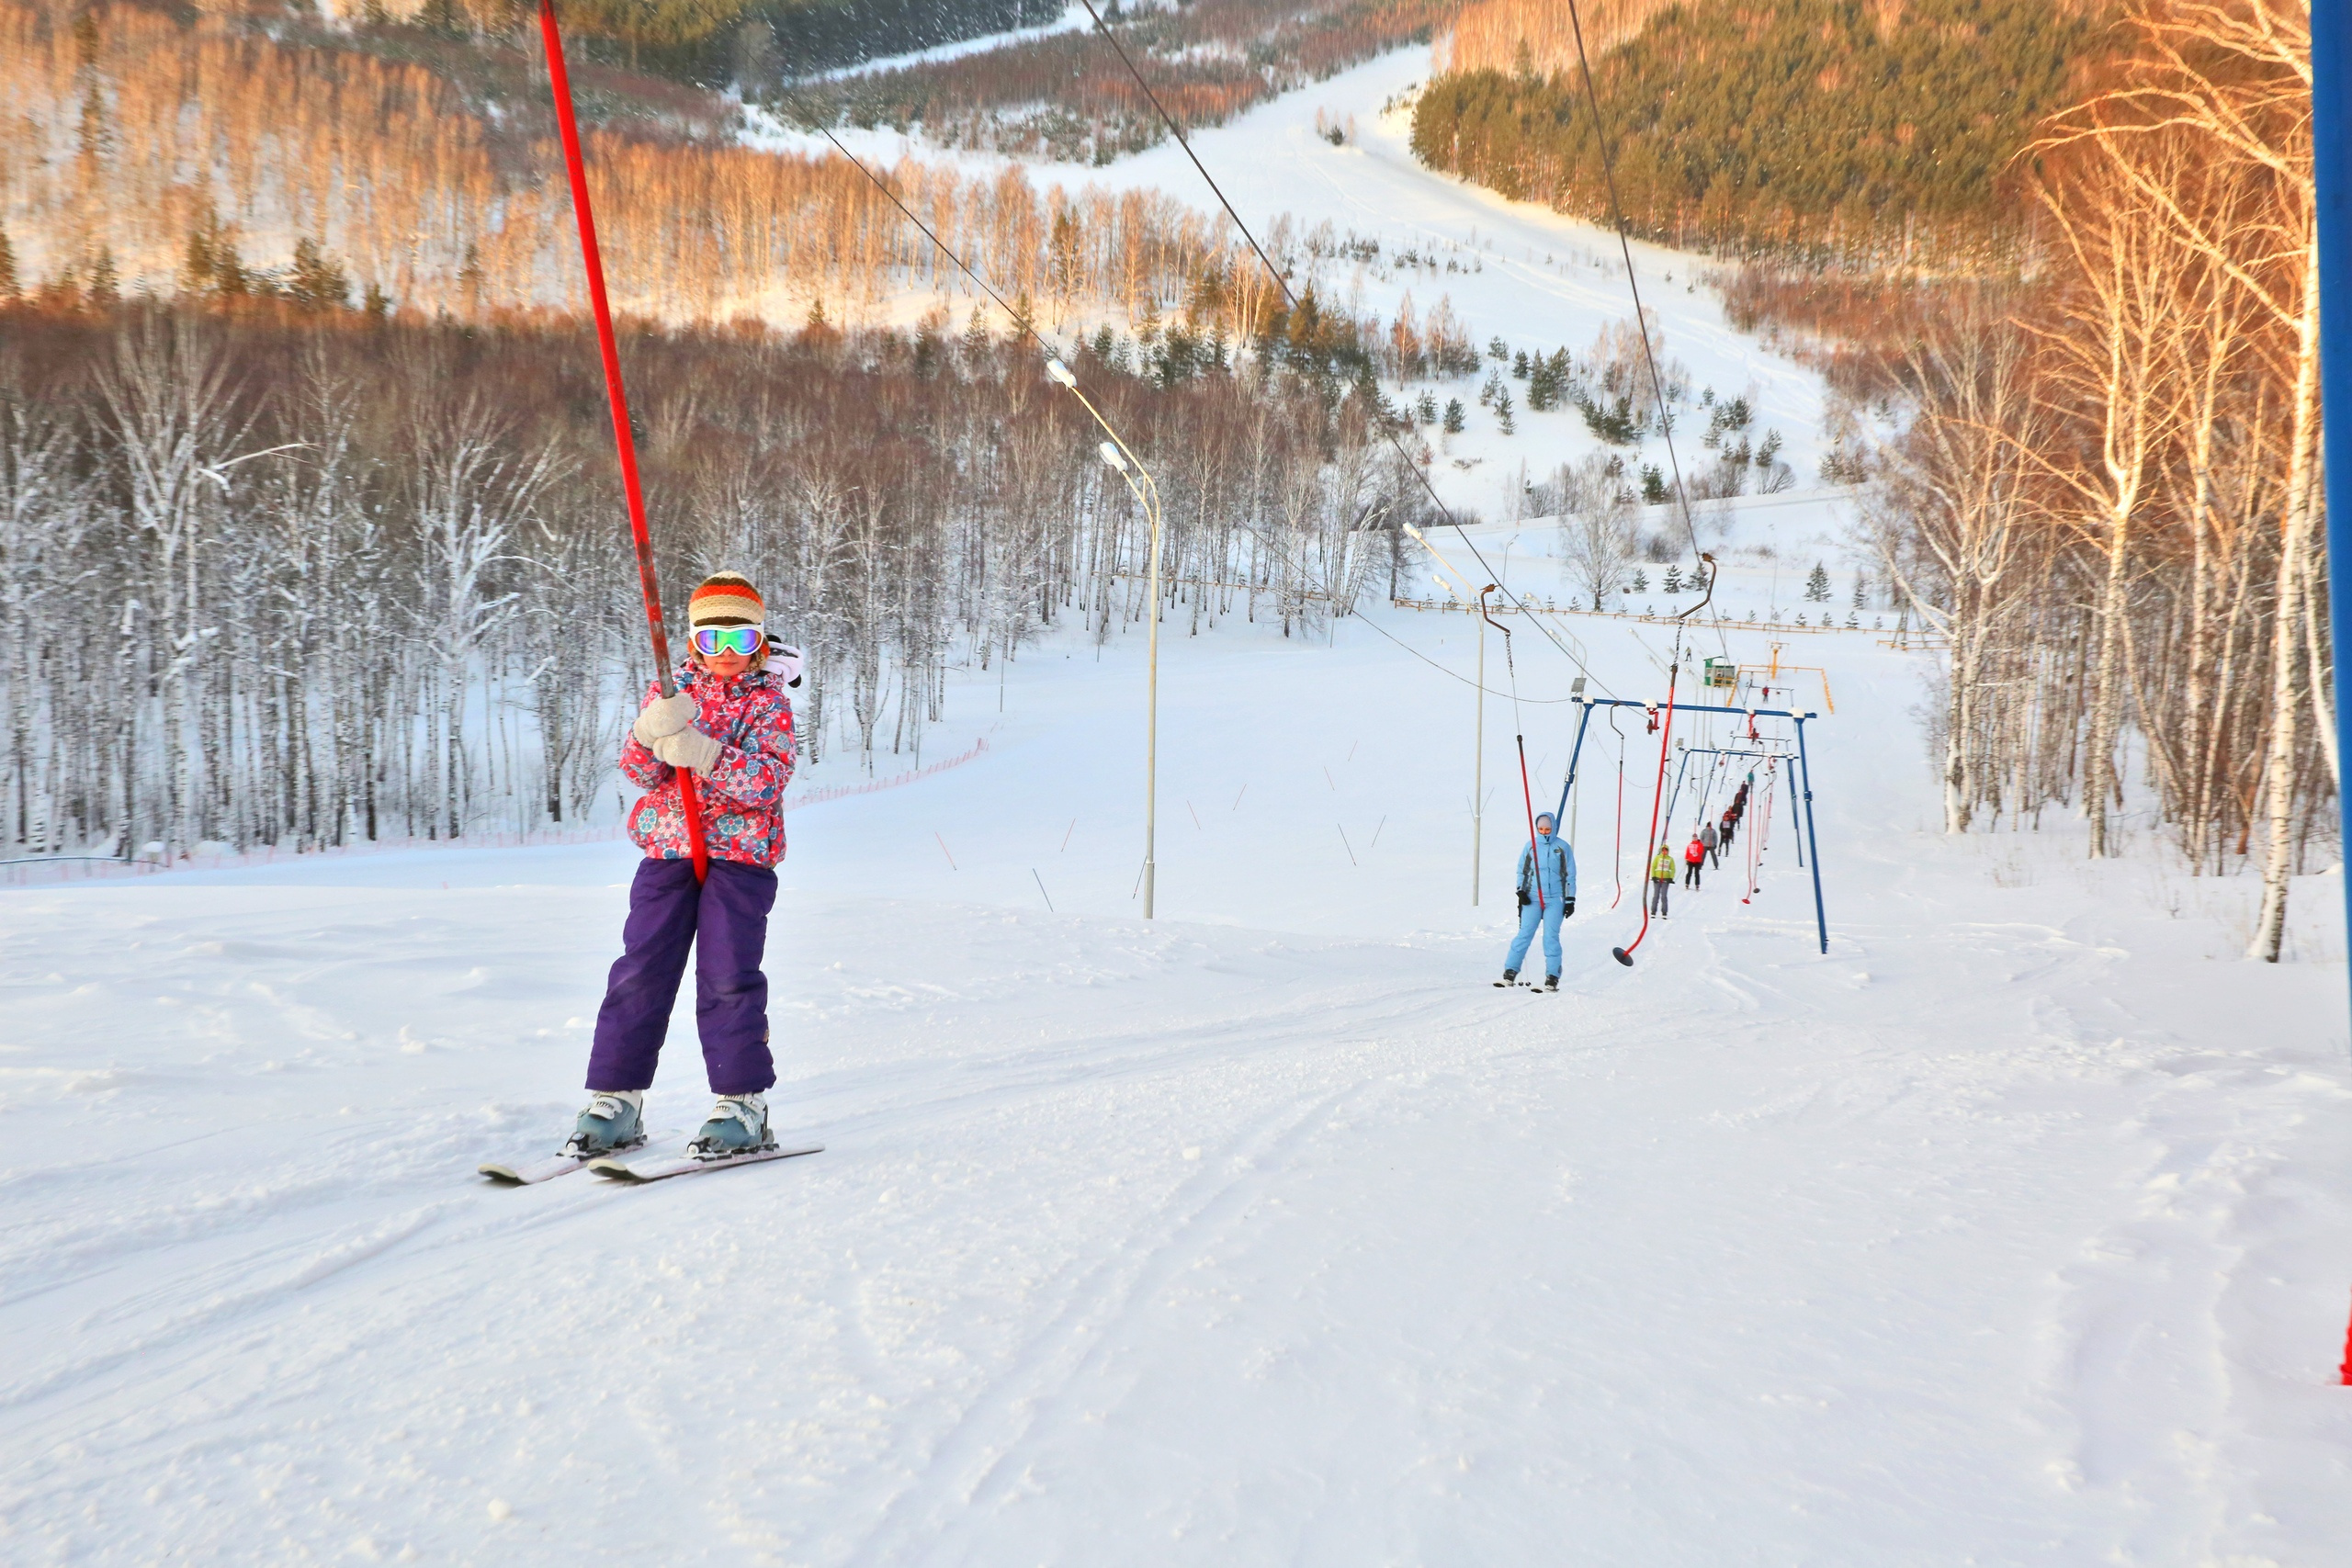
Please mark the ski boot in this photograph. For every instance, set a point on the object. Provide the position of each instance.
(738, 1125)
(1510, 977)
(614, 1120)
(1551, 982)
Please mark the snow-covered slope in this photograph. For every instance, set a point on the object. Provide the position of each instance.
(1537, 279)
(2012, 1231)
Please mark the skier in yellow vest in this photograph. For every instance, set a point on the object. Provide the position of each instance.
(1661, 879)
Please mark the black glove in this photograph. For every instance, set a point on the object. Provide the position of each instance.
(1523, 899)
(1568, 908)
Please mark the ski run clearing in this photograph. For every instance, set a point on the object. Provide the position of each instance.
(2012, 1231)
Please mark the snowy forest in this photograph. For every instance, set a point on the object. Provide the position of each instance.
(306, 377)
(2105, 487)
(362, 578)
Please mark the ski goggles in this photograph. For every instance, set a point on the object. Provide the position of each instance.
(712, 641)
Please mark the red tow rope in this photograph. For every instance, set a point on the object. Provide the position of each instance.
(1619, 862)
(1665, 735)
(559, 81)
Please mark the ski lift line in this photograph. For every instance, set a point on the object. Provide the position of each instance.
(1284, 284)
(1624, 955)
(1805, 765)
(616, 394)
(1272, 544)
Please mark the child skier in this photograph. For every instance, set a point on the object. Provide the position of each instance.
(1547, 893)
(730, 722)
(1661, 879)
(1694, 860)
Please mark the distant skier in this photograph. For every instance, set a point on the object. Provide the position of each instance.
(730, 722)
(1547, 893)
(1713, 841)
(1730, 827)
(1694, 859)
(1661, 879)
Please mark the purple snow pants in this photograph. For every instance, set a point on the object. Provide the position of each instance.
(725, 920)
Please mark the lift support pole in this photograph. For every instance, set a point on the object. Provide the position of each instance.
(2331, 171)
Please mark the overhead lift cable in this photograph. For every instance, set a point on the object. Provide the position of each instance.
(1282, 283)
(1274, 546)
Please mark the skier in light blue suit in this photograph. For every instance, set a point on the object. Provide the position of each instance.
(1547, 892)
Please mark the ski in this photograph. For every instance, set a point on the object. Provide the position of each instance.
(546, 1169)
(687, 1164)
(533, 1172)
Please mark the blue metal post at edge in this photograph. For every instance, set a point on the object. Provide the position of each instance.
(1798, 826)
(1804, 764)
(1561, 813)
(2331, 171)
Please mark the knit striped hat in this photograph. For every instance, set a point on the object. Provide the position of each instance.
(725, 598)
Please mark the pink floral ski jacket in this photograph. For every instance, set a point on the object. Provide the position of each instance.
(743, 798)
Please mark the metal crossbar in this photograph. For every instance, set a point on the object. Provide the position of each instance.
(1804, 769)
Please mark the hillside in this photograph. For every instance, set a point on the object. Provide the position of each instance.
(1859, 131)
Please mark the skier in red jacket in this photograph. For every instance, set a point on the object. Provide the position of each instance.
(1694, 860)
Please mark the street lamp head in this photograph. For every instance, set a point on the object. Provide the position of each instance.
(1060, 372)
(1113, 456)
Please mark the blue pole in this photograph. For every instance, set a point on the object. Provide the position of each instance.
(1797, 827)
(1575, 751)
(1820, 915)
(1674, 795)
(2331, 171)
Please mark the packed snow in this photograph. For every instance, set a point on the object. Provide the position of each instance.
(2010, 1230)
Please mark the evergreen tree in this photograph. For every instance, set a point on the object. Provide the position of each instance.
(1673, 583)
(1729, 130)
(1817, 584)
(1861, 592)
(105, 287)
(1542, 388)
(1654, 490)
(317, 283)
(1502, 410)
(1454, 419)
(1641, 580)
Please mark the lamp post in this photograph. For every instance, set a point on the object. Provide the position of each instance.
(1121, 459)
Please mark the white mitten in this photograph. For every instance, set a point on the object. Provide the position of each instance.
(689, 749)
(663, 716)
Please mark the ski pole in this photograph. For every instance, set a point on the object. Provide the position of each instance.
(623, 444)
